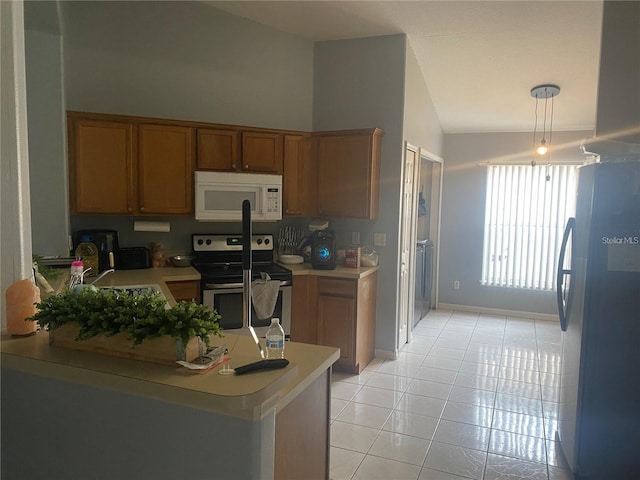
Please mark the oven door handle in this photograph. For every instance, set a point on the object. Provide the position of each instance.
(222, 286)
(227, 286)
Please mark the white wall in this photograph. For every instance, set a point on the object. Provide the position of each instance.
(15, 218)
(462, 227)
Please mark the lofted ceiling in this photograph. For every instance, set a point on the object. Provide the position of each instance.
(479, 59)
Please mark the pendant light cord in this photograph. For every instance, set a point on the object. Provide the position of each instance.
(535, 130)
(548, 176)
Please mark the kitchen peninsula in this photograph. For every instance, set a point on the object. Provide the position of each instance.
(70, 414)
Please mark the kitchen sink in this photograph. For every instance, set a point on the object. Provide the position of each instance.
(136, 289)
(139, 290)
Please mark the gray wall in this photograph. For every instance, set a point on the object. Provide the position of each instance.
(619, 80)
(421, 122)
(359, 84)
(182, 60)
(53, 429)
(462, 227)
(47, 135)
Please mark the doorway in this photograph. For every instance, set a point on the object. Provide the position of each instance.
(419, 238)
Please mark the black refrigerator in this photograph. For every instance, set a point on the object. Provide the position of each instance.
(599, 307)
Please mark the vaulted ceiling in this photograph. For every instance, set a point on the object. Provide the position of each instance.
(479, 59)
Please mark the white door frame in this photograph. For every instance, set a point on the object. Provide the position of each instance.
(407, 244)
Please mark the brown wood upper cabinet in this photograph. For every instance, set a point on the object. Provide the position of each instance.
(299, 177)
(165, 169)
(101, 174)
(218, 149)
(239, 151)
(126, 167)
(348, 166)
(262, 152)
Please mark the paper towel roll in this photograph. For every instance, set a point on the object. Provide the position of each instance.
(22, 297)
(149, 226)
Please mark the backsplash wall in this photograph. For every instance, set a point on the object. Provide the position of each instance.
(178, 240)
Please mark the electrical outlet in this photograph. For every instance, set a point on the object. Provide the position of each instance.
(379, 239)
(456, 284)
(355, 238)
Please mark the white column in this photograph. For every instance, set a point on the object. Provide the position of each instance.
(15, 208)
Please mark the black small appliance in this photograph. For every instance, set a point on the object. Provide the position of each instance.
(323, 250)
(133, 258)
(106, 241)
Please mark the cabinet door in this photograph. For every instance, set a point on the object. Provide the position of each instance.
(336, 326)
(101, 156)
(299, 177)
(337, 318)
(348, 175)
(262, 152)
(165, 169)
(304, 301)
(185, 290)
(218, 149)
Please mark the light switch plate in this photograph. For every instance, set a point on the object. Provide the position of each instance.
(355, 238)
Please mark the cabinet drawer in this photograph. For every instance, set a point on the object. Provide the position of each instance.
(337, 287)
(185, 290)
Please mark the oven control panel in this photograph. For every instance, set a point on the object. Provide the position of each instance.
(230, 243)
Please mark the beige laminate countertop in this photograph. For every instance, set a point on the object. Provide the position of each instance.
(339, 272)
(248, 396)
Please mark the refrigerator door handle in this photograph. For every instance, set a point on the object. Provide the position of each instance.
(560, 291)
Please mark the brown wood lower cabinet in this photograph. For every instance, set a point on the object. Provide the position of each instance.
(185, 290)
(337, 312)
(304, 301)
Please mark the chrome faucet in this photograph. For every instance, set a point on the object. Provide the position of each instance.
(102, 275)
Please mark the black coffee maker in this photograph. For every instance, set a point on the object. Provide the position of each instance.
(323, 250)
(106, 242)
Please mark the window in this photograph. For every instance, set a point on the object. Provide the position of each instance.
(525, 215)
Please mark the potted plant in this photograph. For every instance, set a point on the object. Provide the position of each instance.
(89, 317)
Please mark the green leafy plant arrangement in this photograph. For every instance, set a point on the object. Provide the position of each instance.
(141, 316)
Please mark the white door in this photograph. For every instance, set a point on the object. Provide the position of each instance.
(407, 244)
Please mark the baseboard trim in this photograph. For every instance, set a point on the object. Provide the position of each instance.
(498, 311)
(386, 354)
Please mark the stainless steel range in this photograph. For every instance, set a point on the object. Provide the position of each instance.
(218, 258)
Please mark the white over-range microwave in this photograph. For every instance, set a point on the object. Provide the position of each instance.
(219, 196)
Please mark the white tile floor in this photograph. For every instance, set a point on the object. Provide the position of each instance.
(472, 396)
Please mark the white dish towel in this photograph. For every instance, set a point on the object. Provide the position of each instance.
(264, 293)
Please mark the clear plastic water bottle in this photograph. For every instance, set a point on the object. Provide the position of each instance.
(275, 340)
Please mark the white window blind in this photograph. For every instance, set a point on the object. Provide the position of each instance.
(525, 215)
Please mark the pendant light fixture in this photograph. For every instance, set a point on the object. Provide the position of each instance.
(542, 148)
